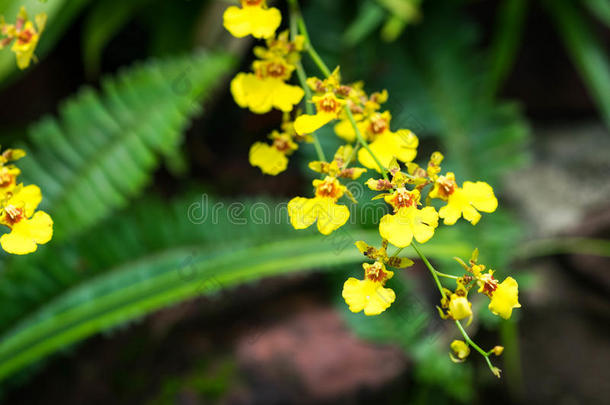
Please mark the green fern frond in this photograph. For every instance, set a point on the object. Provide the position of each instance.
(102, 149)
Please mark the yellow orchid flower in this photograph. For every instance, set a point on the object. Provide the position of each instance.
(328, 108)
(459, 307)
(323, 208)
(505, 298)
(369, 294)
(273, 159)
(25, 35)
(408, 221)
(253, 18)
(260, 95)
(460, 350)
(28, 228)
(466, 201)
(338, 167)
(8, 179)
(401, 145)
(268, 158)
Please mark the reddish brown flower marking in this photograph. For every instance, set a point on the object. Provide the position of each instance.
(446, 186)
(378, 125)
(328, 189)
(281, 144)
(251, 2)
(24, 37)
(328, 104)
(383, 184)
(490, 286)
(376, 272)
(275, 69)
(402, 199)
(12, 215)
(6, 179)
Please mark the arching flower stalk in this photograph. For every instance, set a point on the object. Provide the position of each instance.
(412, 192)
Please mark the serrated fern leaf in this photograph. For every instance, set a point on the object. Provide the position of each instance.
(101, 150)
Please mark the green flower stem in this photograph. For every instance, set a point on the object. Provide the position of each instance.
(363, 142)
(459, 325)
(397, 252)
(294, 15)
(429, 266)
(351, 157)
(297, 19)
(309, 109)
(476, 347)
(438, 273)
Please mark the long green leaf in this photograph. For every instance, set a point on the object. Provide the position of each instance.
(507, 38)
(586, 51)
(149, 283)
(103, 21)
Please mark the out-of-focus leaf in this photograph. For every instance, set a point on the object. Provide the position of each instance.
(103, 21)
(154, 256)
(506, 41)
(601, 9)
(586, 51)
(392, 28)
(103, 148)
(370, 15)
(406, 10)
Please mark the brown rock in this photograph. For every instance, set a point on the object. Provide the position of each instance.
(313, 356)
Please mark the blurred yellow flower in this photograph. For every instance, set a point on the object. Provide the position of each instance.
(24, 34)
(401, 145)
(28, 229)
(460, 349)
(328, 108)
(268, 158)
(253, 18)
(260, 95)
(459, 307)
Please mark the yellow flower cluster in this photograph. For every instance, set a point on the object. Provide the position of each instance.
(323, 207)
(418, 196)
(28, 227)
(25, 35)
(266, 87)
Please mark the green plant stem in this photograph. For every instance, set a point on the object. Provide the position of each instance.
(297, 19)
(446, 275)
(429, 266)
(475, 346)
(363, 142)
(294, 15)
(459, 325)
(309, 109)
(509, 336)
(351, 157)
